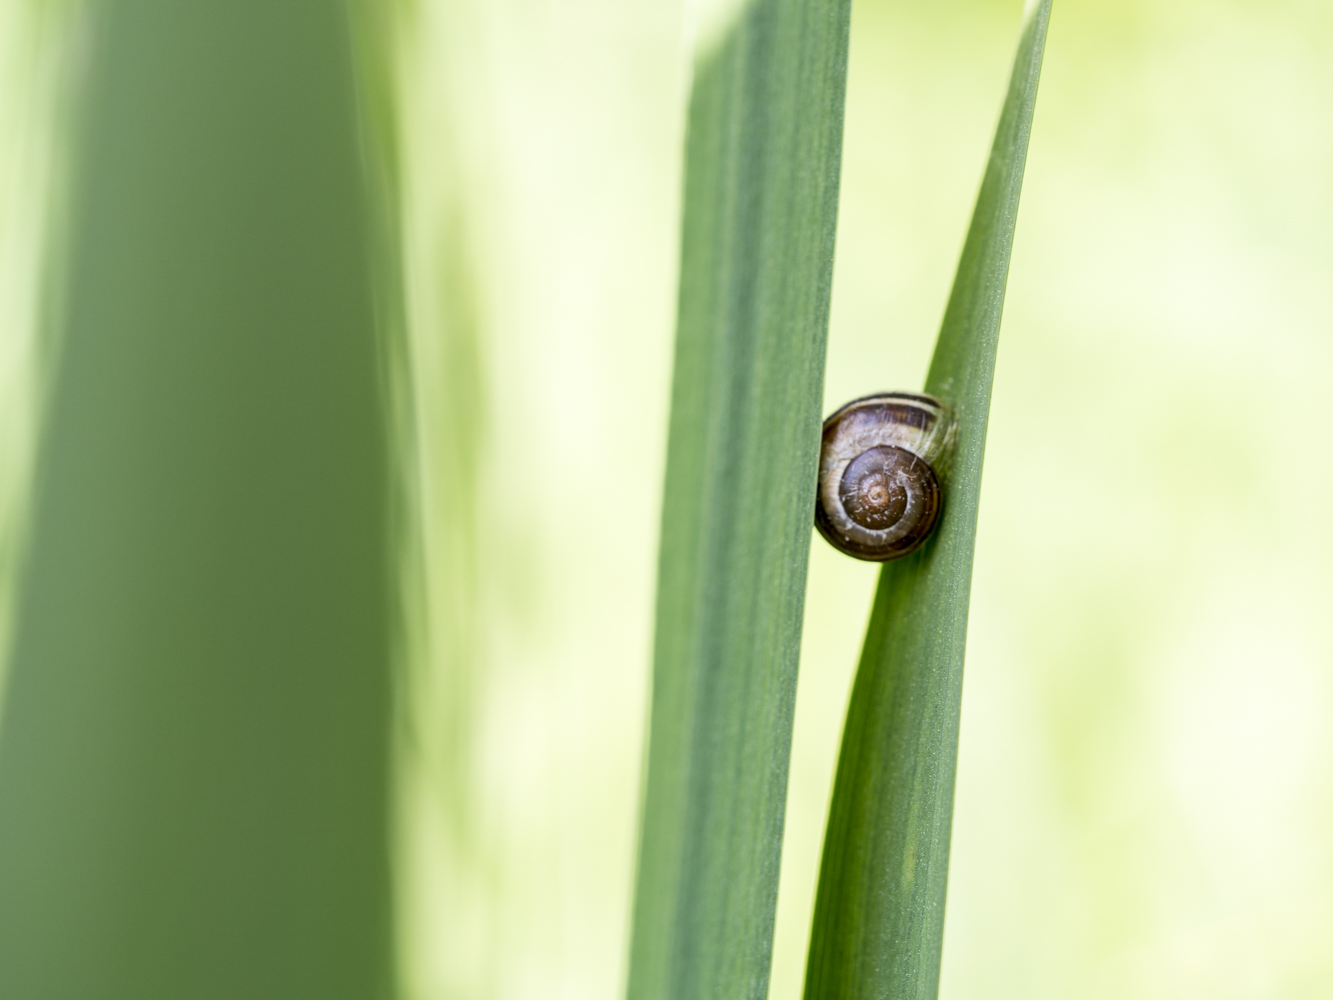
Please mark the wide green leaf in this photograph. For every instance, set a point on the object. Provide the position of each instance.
(879, 911)
(762, 163)
(194, 758)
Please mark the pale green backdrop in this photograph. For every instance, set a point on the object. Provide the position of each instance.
(1145, 786)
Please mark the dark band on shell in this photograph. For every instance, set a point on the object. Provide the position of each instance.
(880, 465)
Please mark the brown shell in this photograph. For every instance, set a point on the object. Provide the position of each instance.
(880, 495)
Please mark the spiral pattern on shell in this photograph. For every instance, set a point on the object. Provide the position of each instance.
(880, 464)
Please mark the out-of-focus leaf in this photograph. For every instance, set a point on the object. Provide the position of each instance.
(194, 757)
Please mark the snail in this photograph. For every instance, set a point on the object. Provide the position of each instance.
(880, 467)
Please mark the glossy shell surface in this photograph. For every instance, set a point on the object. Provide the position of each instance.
(880, 467)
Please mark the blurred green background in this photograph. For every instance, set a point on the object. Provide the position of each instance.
(1145, 786)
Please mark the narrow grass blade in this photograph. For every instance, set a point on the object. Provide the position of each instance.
(762, 164)
(879, 911)
(194, 756)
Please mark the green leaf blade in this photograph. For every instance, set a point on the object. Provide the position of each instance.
(762, 163)
(879, 910)
(194, 755)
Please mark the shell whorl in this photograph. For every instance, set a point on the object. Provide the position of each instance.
(880, 466)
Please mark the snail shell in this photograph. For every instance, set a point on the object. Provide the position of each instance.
(879, 474)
